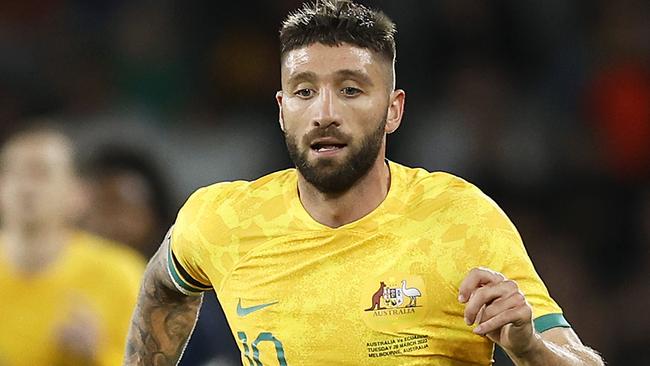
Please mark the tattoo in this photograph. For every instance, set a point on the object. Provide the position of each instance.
(163, 319)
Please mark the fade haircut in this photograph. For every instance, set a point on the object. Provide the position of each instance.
(333, 22)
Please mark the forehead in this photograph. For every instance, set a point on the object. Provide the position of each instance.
(123, 188)
(37, 150)
(324, 60)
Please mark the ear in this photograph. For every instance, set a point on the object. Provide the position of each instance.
(80, 198)
(278, 98)
(2, 189)
(395, 110)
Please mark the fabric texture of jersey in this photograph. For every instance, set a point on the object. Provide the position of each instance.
(378, 291)
(91, 278)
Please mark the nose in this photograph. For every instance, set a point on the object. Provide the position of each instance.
(327, 113)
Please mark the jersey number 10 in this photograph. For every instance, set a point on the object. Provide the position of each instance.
(262, 337)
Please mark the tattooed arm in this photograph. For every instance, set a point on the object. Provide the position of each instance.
(163, 319)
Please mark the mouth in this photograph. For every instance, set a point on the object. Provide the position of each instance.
(327, 146)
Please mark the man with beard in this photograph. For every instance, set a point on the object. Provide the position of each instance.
(349, 258)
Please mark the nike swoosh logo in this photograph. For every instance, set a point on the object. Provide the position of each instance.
(242, 311)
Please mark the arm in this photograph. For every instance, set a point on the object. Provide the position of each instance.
(558, 346)
(163, 319)
(505, 317)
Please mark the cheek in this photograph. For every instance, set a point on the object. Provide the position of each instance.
(293, 141)
(295, 113)
(379, 108)
(368, 118)
(373, 106)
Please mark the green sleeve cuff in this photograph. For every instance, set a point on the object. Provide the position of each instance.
(183, 281)
(550, 321)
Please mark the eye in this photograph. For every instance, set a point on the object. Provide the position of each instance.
(304, 93)
(350, 91)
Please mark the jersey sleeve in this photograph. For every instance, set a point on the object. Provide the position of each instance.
(501, 249)
(186, 257)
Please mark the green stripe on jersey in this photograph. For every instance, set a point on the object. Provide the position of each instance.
(178, 278)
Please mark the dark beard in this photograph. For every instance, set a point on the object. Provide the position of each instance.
(329, 176)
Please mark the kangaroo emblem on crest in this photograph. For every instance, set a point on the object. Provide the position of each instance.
(376, 298)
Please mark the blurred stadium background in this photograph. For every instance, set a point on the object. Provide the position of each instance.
(545, 105)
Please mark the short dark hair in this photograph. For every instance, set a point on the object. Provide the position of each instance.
(332, 22)
(114, 159)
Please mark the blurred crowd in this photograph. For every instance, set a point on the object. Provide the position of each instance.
(545, 105)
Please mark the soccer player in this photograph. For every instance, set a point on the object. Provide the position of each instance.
(129, 198)
(349, 259)
(65, 294)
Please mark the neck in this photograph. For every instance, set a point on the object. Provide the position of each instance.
(343, 208)
(31, 250)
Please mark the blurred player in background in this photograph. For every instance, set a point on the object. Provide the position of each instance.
(349, 258)
(131, 204)
(130, 201)
(66, 294)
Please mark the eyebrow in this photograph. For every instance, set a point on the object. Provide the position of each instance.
(309, 76)
(357, 75)
(344, 74)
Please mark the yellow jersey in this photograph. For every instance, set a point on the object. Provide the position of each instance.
(92, 276)
(382, 290)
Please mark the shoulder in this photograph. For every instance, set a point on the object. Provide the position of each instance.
(217, 193)
(224, 206)
(420, 184)
(446, 198)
